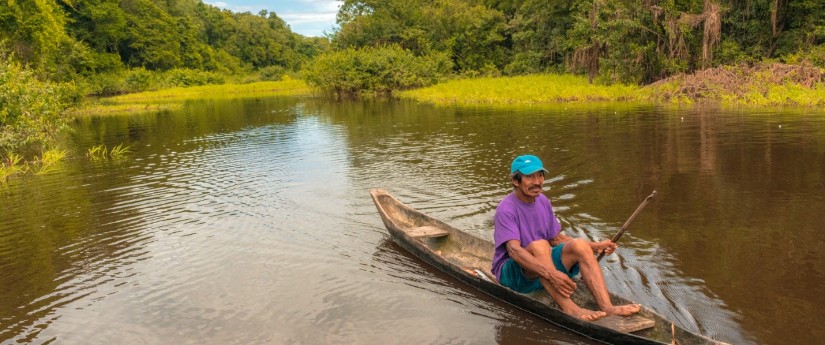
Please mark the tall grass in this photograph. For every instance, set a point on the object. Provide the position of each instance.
(12, 164)
(101, 152)
(174, 98)
(524, 90)
(49, 161)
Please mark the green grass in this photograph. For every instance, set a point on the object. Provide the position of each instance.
(523, 90)
(101, 152)
(740, 90)
(12, 164)
(170, 99)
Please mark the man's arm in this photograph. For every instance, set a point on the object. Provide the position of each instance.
(560, 281)
(606, 246)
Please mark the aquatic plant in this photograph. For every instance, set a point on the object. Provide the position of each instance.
(12, 164)
(118, 151)
(49, 160)
(97, 152)
(101, 152)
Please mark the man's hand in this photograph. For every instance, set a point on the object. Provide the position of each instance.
(608, 247)
(561, 282)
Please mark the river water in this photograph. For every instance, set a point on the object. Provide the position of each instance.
(250, 222)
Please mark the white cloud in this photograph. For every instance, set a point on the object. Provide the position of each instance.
(306, 17)
(301, 18)
(324, 5)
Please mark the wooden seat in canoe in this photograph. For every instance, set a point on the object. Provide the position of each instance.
(427, 231)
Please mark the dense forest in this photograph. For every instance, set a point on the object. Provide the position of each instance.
(69, 39)
(54, 53)
(613, 40)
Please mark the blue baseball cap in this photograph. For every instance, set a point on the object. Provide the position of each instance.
(526, 164)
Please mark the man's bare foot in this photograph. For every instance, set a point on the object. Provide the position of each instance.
(586, 314)
(623, 310)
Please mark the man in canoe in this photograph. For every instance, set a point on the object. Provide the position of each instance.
(531, 253)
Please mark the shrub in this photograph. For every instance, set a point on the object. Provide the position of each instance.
(31, 111)
(524, 63)
(138, 80)
(105, 84)
(189, 77)
(272, 73)
(380, 70)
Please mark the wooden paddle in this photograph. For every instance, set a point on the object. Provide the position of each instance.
(619, 234)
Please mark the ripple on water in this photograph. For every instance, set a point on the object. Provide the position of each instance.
(257, 227)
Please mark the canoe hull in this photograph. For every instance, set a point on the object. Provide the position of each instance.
(462, 255)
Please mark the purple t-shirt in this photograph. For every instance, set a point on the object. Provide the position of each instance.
(526, 222)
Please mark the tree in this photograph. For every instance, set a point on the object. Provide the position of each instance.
(471, 33)
(149, 41)
(34, 30)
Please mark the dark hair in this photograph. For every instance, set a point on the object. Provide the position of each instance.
(518, 175)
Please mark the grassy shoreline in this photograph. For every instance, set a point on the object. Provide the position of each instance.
(761, 86)
(173, 98)
(523, 90)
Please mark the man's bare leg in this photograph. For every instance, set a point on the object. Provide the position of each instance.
(579, 251)
(541, 250)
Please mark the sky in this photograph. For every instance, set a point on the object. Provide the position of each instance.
(306, 17)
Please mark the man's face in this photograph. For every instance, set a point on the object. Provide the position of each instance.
(530, 185)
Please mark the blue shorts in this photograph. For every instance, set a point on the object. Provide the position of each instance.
(512, 276)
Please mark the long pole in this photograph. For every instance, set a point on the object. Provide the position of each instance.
(619, 234)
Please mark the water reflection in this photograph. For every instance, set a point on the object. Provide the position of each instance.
(249, 221)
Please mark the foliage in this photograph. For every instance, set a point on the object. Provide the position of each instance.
(471, 34)
(379, 70)
(271, 73)
(188, 77)
(105, 84)
(34, 31)
(65, 40)
(141, 79)
(610, 41)
(32, 112)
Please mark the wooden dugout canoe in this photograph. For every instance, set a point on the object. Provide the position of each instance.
(469, 258)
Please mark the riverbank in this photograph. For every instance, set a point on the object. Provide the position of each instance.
(522, 90)
(174, 98)
(764, 85)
